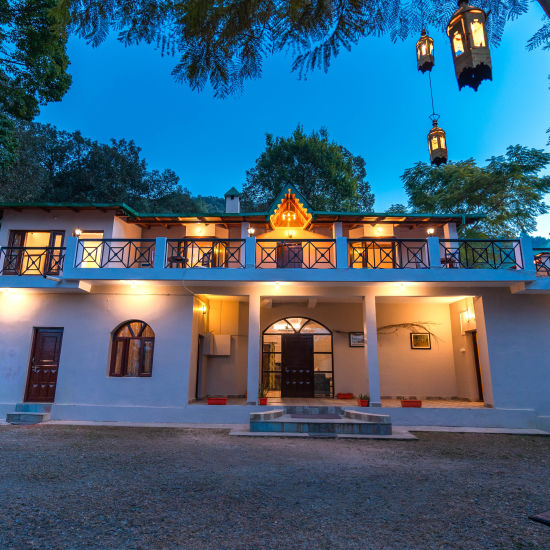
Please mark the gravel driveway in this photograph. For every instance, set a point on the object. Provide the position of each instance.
(102, 487)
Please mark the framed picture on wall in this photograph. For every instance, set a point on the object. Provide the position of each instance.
(356, 340)
(421, 340)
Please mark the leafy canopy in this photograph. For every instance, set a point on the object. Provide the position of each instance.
(326, 174)
(225, 42)
(33, 64)
(509, 190)
(59, 166)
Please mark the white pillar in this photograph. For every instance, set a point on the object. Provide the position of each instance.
(434, 253)
(524, 255)
(371, 348)
(253, 378)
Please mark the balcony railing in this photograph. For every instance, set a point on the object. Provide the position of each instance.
(115, 253)
(542, 261)
(388, 253)
(205, 253)
(21, 260)
(481, 254)
(295, 254)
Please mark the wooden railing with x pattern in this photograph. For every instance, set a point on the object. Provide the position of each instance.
(115, 253)
(295, 254)
(21, 260)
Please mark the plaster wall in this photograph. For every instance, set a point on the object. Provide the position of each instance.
(63, 220)
(227, 374)
(88, 321)
(518, 342)
(463, 350)
(413, 372)
(123, 230)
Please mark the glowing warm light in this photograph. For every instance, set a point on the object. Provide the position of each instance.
(430, 231)
(7, 291)
(251, 231)
(290, 234)
(199, 229)
(458, 45)
(379, 229)
(478, 35)
(77, 232)
(280, 326)
(204, 309)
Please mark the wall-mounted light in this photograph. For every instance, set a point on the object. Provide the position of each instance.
(77, 232)
(379, 229)
(430, 231)
(290, 234)
(204, 309)
(199, 229)
(251, 231)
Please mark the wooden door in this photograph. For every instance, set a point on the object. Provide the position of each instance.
(297, 365)
(44, 364)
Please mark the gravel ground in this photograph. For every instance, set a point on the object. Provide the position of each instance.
(102, 487)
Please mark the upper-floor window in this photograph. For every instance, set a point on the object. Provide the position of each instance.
(132, 349)
(33, 253)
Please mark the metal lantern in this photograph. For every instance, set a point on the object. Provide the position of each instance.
(437, 142)
(425, 59)
(471, 55)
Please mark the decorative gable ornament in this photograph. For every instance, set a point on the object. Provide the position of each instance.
(467, 32)
(290, 211)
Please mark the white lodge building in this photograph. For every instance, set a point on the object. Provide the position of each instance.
(112, 315)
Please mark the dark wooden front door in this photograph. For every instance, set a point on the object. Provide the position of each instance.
(297, 365)
(44, 365)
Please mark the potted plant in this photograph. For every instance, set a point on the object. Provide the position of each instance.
(216, 400)
(411, 403)
(363, 400)
(344, 395)
(262, 395)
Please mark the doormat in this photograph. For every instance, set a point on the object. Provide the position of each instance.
(322, 416)
(542, 518)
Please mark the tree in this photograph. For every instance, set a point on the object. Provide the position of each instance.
(33, 65)
(54, 165)
(326, 174)
(397, 209)
(508, 190)
(225, 42)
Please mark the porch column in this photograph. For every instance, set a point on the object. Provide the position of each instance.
(371, 348)
(253, 375)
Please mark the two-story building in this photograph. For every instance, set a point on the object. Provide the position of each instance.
(114, 315)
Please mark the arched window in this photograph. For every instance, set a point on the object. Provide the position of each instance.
(132, 350)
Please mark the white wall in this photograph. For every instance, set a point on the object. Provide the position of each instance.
(64, 220)
(408, 372)
(88, 321)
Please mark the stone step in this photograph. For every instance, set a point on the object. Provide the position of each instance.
(304, 409)
(27, 417)
(33, 407)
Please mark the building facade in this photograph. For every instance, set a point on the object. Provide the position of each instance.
(113, 315)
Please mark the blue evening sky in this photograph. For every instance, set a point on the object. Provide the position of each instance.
(373, 101)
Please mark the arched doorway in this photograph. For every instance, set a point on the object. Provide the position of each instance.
(297, 359)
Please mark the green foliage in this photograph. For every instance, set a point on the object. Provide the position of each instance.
(540, 242)
(225, 42)
(508, 190)
(397, 209)
(59, 166)
(33, 64)
(327, 175)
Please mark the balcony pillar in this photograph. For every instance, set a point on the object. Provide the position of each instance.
(342, 261)
(250, 252)
(371, 349)
(253, 374)
(525, 257)
(69, 263)
(159, 261)
(434, 253)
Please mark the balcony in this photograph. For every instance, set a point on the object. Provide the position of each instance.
(315, 260)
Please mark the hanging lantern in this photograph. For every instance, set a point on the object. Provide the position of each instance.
(471, 55)
(437, 142)
(425, 59)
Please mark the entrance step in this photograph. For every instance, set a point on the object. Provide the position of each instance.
(29, 413)
(320, 421)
